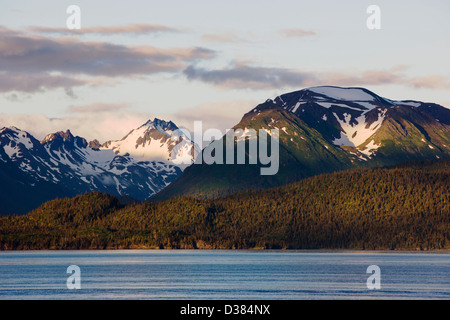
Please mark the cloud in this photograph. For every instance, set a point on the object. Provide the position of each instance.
(388, 76)
(296, 32)
(250, 77)
(137, 28)
(102, 126)
(430, 82)
(37, 82)
(245, 76)
(31, 63)
(368, 77)
(32, 54)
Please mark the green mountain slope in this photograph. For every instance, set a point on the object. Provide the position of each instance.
(410, 134)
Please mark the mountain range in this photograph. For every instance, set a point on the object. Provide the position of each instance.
(63, 165)
(321, 129)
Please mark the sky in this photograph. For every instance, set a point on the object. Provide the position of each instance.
(207, 60)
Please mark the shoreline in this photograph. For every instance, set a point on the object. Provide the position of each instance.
(440, 251)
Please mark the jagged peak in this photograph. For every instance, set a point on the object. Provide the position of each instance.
(67, 137)
(94, 144)
(158, 123)
(13, 129)
(59, 135)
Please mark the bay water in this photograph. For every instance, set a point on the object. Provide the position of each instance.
(223, 274)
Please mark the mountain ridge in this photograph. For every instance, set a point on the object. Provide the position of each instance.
(63, 164)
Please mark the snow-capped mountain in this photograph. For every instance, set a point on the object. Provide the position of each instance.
(326, 129)
(158, 140)
(137, 166)
(352, 116)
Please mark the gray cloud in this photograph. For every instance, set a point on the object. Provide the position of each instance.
(29, 54)
(29, 63)
(244, 76)
(38, 82)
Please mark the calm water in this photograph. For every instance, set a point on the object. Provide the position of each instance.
(197, 274)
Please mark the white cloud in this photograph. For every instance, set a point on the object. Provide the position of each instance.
(113, 121)
(90, 126)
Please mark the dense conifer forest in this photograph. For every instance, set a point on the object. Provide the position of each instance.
(406, 207)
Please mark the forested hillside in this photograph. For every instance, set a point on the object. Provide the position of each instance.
(402, 207)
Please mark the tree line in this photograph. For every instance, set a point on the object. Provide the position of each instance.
(405, 207)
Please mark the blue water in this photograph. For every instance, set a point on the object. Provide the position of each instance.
(223, 274)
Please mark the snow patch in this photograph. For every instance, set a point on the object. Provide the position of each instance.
(21, 137)
(346, 94)
(357, 134)
(297, 105)
(328, 105)
(408, 103)
(12, 151)
(370, 148)
(342, 140)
